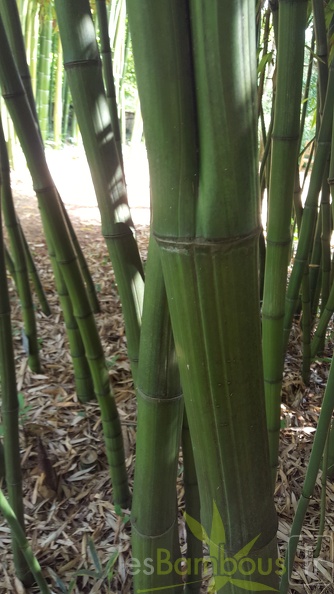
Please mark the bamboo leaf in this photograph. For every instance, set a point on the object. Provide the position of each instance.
(245, 550)
(196, 528)
(252, 586)
(217, 535)
(94, 555)
(264, 60)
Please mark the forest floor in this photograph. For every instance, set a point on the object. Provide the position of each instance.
(70, 518)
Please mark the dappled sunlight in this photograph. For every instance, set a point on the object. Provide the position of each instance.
(71, 174)
(86, 34)
(101, 120)
(121, 213)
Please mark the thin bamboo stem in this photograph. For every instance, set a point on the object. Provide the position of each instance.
(35, 277)
(108, 74)
(310, 479)
(84, 74)
(11, 19)
(193, 509)
(322, 49)
(323, 498)
(160, 411)
(23, 544)
(10, 419)
(306, 325)
(57, 232)
(17, 249)
(310, 208)
(285, 144)
(91, 291)
(58, 104)
(44, 68)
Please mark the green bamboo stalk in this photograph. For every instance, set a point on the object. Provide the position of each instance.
(308, 164)
(297, 199)
(58, 104)
(316, 297)
(274, 5)
(285, 144)
(11, 18)
(320, 32)
(310, 479)
(10, 139)
(262, 258)
(326, 223)
(91, 291)
(36, 281)
(25, 76)
(307, 90)
(330, 463)
(323, 498)
(17, 249)
(310, 209)
(114, 15)
(206, 220)
(137, 130)
(2, 462)
(82, 375)
(23, 544)
(327, 306)
(108, 74)
(118, 45)
(315, 267)
(44, 68)
(263, 130)
(10, 418)
(23, 12)
(57, 233)
(193, 509)
(52, 76)
(87, 277)
(265, 165)
(66, 107)
(306, 325)
(83, 66)
(127, 44)
(266, 27)
(160, 411)
(27, 32)
(10, 264)
(34, 31)
(320, 333)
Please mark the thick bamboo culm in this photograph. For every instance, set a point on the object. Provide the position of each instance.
(160, 411)
(206, 221)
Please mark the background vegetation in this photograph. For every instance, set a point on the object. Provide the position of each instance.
(236, 106)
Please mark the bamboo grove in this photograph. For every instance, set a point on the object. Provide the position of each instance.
(226, 92)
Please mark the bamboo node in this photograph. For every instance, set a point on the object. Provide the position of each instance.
(82, 63)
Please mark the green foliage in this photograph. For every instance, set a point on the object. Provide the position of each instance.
(105, 573)
(130, 82)
(24, 408)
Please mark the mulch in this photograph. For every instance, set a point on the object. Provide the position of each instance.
(70, 519)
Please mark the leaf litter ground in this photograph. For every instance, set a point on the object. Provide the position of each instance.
(70, 519)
